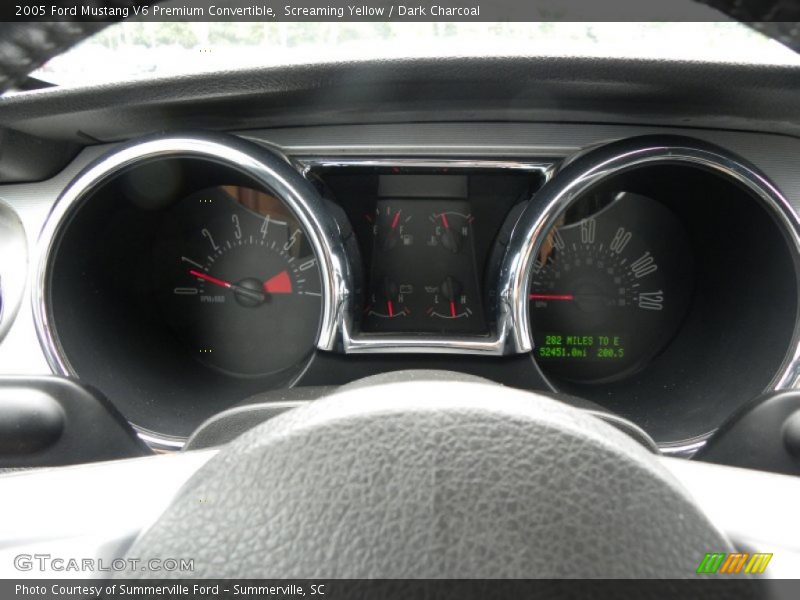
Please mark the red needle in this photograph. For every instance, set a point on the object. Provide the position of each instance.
(444, 221)
(390, 307)
(551, 297)
(396, 219)
(279, 284)
(452, 308)
(211, 279)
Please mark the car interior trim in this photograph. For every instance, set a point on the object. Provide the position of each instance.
(513, 335)
(495, 344)
(334, 267)
(540, 216)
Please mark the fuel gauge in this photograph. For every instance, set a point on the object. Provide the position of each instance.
(390, 228)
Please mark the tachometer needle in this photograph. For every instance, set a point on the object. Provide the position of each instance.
(210, 279)
(551, 297)
(279, 284)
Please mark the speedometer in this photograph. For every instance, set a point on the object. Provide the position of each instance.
(610, 285)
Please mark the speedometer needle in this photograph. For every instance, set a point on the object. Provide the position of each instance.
(551, 297)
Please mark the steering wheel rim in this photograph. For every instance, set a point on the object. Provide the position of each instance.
(433, 479)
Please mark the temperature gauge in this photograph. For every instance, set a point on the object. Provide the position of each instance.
(451, 230)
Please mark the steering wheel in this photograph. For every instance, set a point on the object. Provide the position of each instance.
(432, 475)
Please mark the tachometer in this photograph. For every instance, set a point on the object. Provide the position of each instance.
(238, 281)
(609, 288)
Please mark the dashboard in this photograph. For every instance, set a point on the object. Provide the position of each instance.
(182, 259)
(651, 273)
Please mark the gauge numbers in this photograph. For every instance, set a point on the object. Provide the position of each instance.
(609, 290)
(239, 282)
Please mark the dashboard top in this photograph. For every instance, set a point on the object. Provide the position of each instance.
(52, 125)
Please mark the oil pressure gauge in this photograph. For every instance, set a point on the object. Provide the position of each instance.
(449, 300)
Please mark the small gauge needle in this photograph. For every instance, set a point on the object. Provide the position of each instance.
(444, 221)
(396, 220)
(390, 307)
(551, 297)
(452, 308)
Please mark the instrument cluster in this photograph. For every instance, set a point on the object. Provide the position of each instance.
(425, 235)
(422, 275)
(655, 277)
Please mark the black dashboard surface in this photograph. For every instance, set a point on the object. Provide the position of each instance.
(534, 89)
(541, 107)
(182, 282)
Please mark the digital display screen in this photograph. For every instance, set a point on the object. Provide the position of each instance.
(582, 347)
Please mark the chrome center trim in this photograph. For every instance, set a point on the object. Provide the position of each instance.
(493, 344)
(686, 449)
(322, 162)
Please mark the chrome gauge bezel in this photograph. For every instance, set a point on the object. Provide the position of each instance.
(266, 167)
(496, 342)
(13, 265)
(512, 331)
(587, 169)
